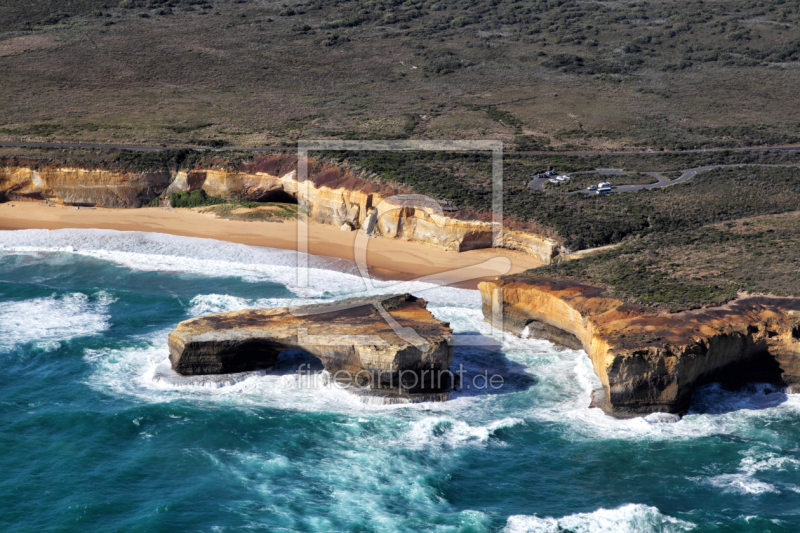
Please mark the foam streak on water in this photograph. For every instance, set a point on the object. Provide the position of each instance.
(45, 321)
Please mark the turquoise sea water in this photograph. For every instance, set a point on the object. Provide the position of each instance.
(97, 434)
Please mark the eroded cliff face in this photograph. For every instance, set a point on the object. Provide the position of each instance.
(363, 343)
(420, 219)
(330, 195)
(81, 186)
(650, 362)
(416, 218)
(343, 201)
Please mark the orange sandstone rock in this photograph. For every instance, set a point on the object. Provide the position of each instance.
(652, 362)
(81, 186)
(391, 344)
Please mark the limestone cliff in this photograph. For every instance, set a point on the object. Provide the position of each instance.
(390, 344)
(647, 361)
(336, 197)
(418, 219)
(331, 195)
(82, 186)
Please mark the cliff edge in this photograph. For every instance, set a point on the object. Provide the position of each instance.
(648, 361)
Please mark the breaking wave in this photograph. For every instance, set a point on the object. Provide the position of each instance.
(630, 518)
(46, 321)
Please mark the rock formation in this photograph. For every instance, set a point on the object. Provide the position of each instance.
(389, 345)
(648, 361)
(330, 196)
(81, 186)
(420, 219)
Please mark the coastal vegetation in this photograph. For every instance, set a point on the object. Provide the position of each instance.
(143, 390)
(706, 266)
(254, 211)
(541, 75)
(196, 198)
(671, 174)
(233, 209)
(725, 231)
(724, 194)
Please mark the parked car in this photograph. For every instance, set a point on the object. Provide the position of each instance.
(604, 185)
(554, 180)
(592, 187)
(564, 177)
(551, 173)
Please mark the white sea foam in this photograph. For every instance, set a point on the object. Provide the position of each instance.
(740, 484)
(755, 461)
(144, 372)
(359, 465)
(170, 253)
(662, 418)
(560, 392)
(722, 412)
(163, 374)
(46, 321)
(565, 381)
(630, 518)
(451, 433)
(394, 495)
(205, 304)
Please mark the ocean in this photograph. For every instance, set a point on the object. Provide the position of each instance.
(98, 434)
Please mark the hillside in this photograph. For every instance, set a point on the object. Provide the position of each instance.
(539, 75)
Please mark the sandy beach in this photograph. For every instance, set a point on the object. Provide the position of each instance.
(386, 258)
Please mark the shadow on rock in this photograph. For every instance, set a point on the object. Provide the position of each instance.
(716, 398)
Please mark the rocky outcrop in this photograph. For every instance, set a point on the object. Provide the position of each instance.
(420, 219)
(648, 361)
(417, 218)
(81, 186)
(543, 248)
(331, 195)
(388, 345)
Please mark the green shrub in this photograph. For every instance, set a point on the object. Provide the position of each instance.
(196, 198)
